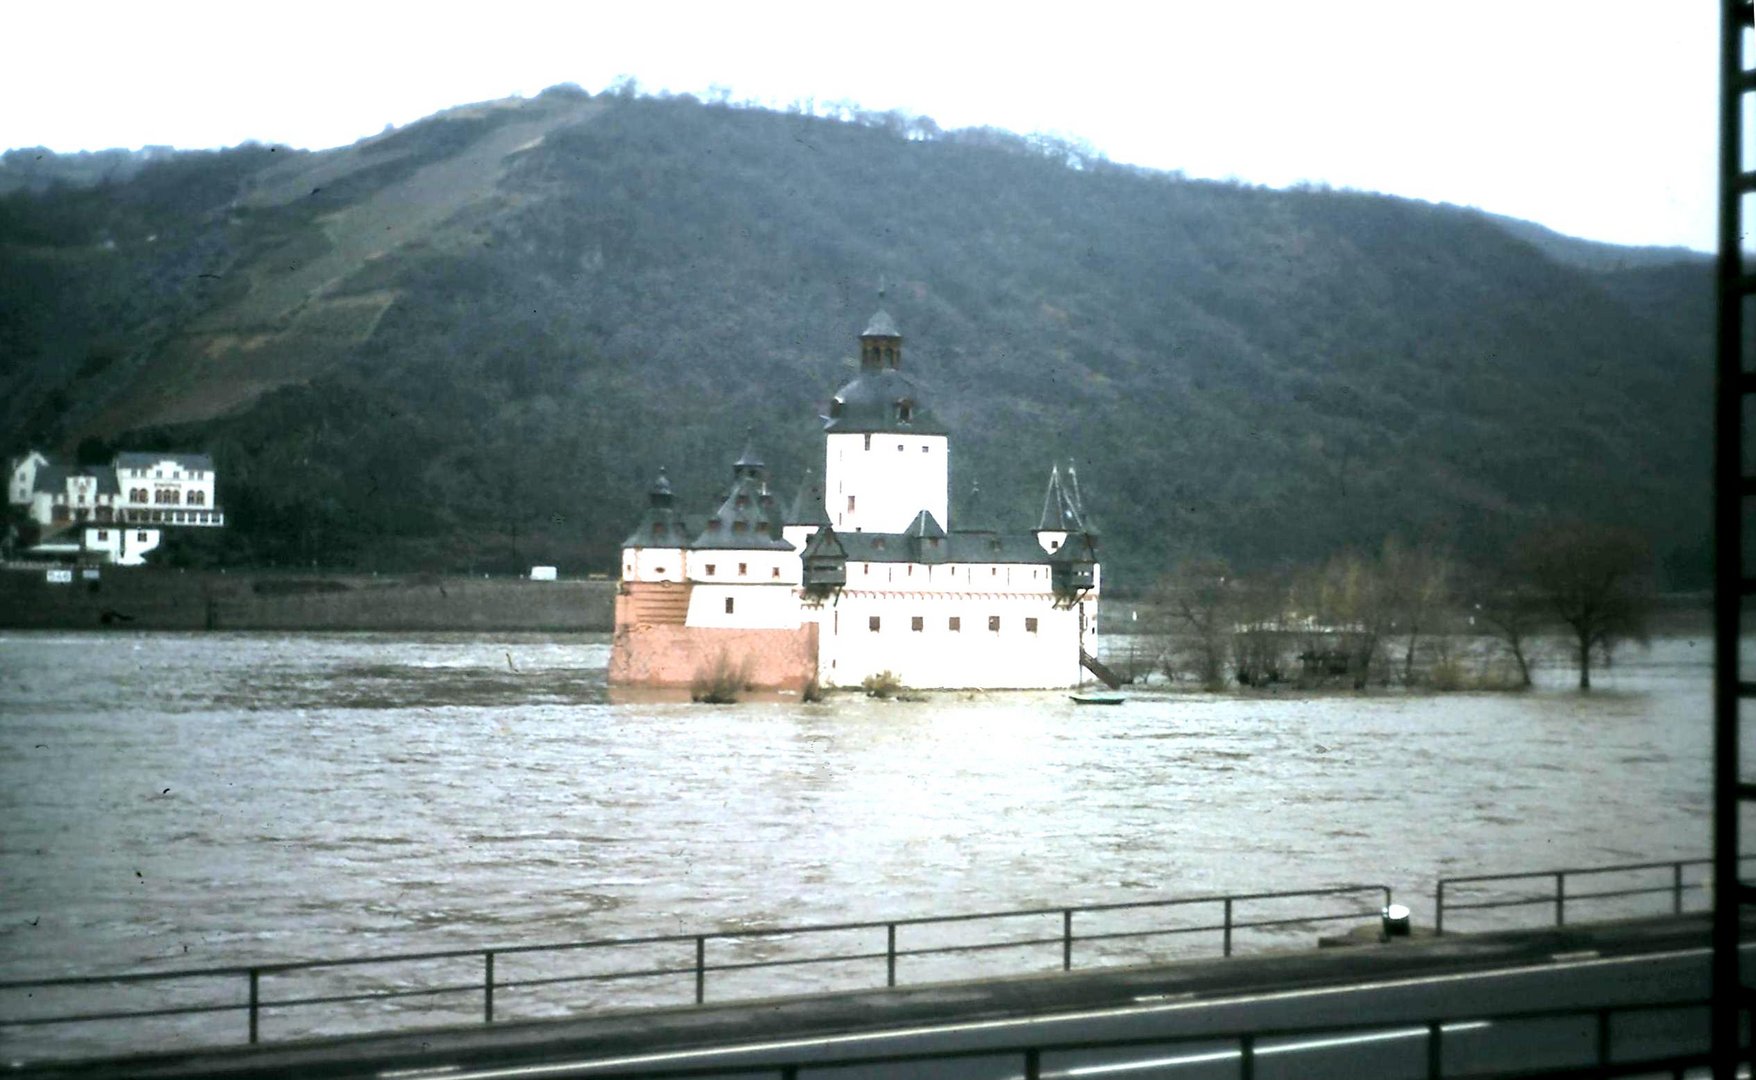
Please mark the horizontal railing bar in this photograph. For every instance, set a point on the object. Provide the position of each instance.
(1666, 865)
(141, 1014)
(285, 967)
(1549, 898)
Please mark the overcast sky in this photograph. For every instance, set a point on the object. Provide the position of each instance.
(1594, 117)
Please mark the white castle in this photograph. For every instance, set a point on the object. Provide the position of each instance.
(864, 574)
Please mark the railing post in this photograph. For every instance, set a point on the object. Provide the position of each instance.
(488, 986)
(1066, 939)
(890, 955)
(1435, 1050)
(1246, 1056)
(1228, 938)
(1676, 888)
(1561, 898)
(700, 968)
(1033, 1064)
(255, 1000)
(1439, 909)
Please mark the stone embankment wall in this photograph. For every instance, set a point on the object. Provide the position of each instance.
(148, 598)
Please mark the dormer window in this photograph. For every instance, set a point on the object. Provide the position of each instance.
(835, 409)
(878, 543)
(713, 524)
(740, 526)
(905, 410)
(743, 501)
(658, 528)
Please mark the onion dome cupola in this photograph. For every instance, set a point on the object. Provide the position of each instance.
(881, 398)
(750, 517)
(661, 525)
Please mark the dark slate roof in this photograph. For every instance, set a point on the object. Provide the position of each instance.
(881, 325)
(52, 479)
(925, 525)
(961, 547)
(1079, 547)
(870, 403)
(1061, 509)
(808, 508)
(143, 460)
(678, 532)
(824, 544)
(749, 520)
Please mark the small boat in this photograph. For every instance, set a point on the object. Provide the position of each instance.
(1097, 699)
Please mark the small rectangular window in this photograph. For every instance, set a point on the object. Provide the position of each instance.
(850, 504)
(923, 449)
(994, 623)
(743, 569)
(872, 623)
(774, 572)
(899, 448)
(728, 605)
(710, 568)
(954, 624)
(1030, 626)
(917, 623)
(868, 442)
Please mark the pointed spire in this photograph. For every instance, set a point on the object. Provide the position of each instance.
(659, 495)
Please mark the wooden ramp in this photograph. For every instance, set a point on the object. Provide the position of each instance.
(1097, 667)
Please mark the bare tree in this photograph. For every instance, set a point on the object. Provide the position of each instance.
(1259, 629)
(1512, 612)
(1197, 604)
(1350, 603)
(1595, 579)
(1417, 588)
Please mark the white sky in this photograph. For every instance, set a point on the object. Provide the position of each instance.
(1594, 117)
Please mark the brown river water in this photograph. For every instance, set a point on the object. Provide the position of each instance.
(174, 801)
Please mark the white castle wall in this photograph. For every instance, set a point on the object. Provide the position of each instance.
(879, 482)
(1014, 656)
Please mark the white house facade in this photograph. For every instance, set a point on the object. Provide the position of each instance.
(114, 513)
(865, 574)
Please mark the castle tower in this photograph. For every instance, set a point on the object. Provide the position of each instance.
(886, 457)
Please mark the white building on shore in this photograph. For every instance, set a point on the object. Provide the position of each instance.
(113, 513)
(865, 574)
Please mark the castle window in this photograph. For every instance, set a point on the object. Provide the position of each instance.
(774, 572)
(658, 528)
(868, 442)
(850, 504)
(1030, 626)
(710, 569)
(924, 448)
(140, 536)
(993, 571)
(994, 623)
(743, 569)
(878, 543)
(905, 410)
(917, 624)
(658, 569)
(954, 624)
(743, 501)
(729, 603)
(740, 526)
(835, 408)
(102, 535)
(872, 623)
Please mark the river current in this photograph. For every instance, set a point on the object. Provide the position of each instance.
(177, 800)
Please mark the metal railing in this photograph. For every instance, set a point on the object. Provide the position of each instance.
(1036, 1058)
(249, 980)
(1558, 896)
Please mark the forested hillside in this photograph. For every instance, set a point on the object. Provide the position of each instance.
(469, 344)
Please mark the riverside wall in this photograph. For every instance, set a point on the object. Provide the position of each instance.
(150, 598)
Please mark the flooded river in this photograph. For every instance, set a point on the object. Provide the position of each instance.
(185, 800)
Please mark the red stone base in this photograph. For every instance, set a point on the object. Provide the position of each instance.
(683, 657)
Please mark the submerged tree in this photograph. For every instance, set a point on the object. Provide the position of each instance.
(1197, 602)
(1595, 579)
(1417, 584)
